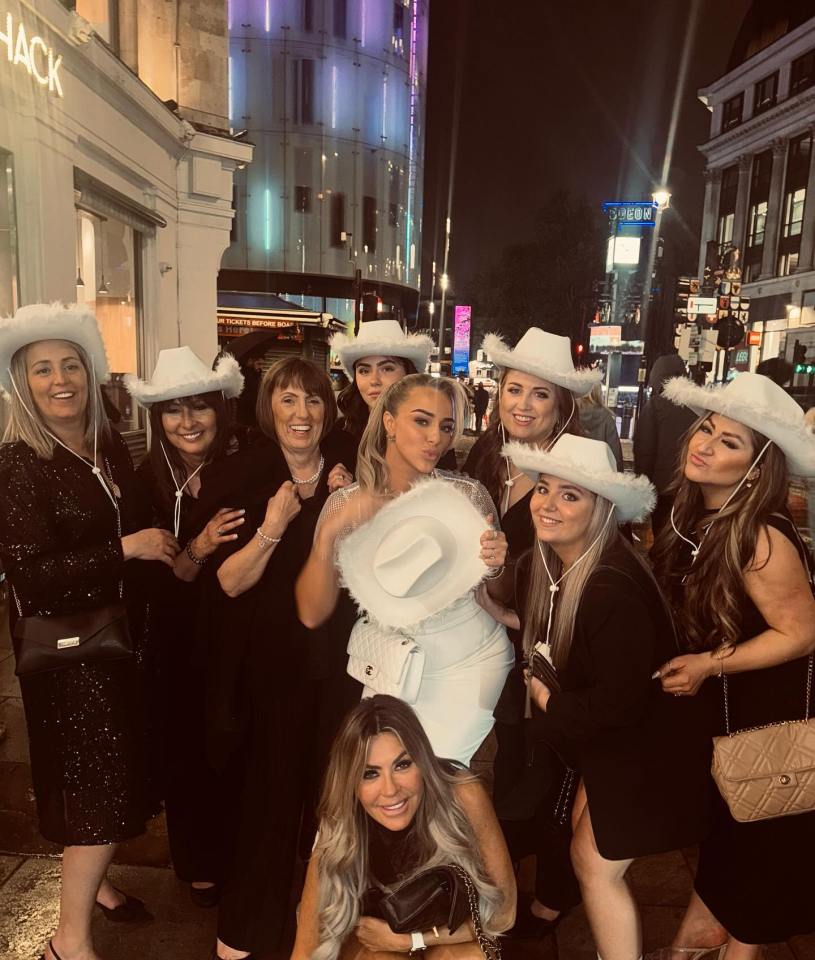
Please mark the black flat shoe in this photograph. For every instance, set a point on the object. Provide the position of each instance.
(205, 897)
(528, 926)
(132, 910)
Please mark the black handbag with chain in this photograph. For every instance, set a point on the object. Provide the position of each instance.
(49, 643)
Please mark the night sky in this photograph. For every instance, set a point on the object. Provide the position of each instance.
(575, 95)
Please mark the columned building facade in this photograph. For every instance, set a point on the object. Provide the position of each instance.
(760, 175)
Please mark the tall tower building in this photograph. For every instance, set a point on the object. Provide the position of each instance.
(332, 95)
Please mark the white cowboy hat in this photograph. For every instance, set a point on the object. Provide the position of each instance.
(416, 556)
(544, 355)
(758, 403)
(181, 373)
(590, 464)
(51, 321)
(381, 338)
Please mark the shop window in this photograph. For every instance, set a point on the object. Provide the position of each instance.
(766, 93)
(103, 16)
(108, 281)
(303, 91)
(8, 238)
(337, 219)
(341, 19)
(369, 224)
(731, 112)
(758, 218)
(802, 73)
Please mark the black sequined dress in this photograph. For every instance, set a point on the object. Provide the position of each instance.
(60, 548)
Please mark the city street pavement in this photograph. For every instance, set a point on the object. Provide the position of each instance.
(29, 877)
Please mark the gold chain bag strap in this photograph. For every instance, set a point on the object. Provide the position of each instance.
(490, 946)
(768, 771)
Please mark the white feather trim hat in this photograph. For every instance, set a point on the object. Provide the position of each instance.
(590, 464)
(416, 556)
(51, 321)
(181, 373)
(544, 355)
(758, 403)
(381, 338)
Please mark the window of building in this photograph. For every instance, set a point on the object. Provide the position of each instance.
(302, 199)
(108, 280)
(731, 112)
(341, 19)
(369, 224)
(303, 91)
(398, 38)
(757, 213)
(802, 73)
(337, 219)
(755, 229)
(794, 212)
(8, 238)
(103, 16)
(727, 207)
(308, 15)
(766, 93)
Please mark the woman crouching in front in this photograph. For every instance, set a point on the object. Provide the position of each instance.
(391, 809)
(593, 609)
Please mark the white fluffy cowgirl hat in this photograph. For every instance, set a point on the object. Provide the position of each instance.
(590, 464)
(543, 355)
(181, 373)
(381, 338)
(758, 403)
(51, 321)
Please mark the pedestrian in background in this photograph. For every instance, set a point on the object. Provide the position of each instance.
(391, 809)
(536, 403)
(658, 437)
(741, 583)
(594, 615)
(189, 433)
(72, 524)
(598, 422)
(778, 369)
(481, 402)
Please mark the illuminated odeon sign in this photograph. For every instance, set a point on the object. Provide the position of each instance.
(31, 54)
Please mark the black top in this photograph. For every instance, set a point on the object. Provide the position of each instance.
(391, 853)
(643, 756)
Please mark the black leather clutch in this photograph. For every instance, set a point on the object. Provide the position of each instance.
(49, 643)
(433, 898)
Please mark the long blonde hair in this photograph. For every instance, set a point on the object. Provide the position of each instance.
(372, 471)
(441, 831)
(600, 533)
(25, 420)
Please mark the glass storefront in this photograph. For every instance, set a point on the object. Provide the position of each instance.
(8, 238)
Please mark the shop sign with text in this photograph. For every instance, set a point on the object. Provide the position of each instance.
(30, 53)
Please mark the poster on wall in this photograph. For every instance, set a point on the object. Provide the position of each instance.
(462, 316)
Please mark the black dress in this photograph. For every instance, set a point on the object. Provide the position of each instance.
(191, 788)
(262, 663)
(756, 878)
(644, 757)
(61, 551)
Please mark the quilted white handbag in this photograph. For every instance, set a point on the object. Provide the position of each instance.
(385, 661)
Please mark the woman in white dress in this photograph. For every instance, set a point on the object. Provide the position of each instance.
(466, 653)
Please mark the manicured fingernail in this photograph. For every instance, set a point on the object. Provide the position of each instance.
(241, 511)
(242, 520)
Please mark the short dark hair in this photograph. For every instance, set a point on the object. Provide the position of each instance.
(294, 371)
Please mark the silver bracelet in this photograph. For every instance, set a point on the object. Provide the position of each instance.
(267, 541)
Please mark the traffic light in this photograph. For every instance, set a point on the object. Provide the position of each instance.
(799, 357)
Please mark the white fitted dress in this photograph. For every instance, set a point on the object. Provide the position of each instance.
(467, 654)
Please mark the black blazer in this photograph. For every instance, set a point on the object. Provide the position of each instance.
(644, 756)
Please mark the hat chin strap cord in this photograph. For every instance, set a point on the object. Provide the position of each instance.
(509, 483)
(179, 491)
(696, 547)
(554, 585)
(95, 469)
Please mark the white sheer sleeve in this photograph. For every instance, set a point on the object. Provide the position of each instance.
(476, 493)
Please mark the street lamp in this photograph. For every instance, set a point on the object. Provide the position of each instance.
(444, 281)
(662, 198)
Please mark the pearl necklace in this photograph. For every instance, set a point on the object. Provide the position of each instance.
(313, 479)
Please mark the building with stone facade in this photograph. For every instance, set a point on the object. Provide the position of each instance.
(332, 95)
(116, 169)
(760, 176)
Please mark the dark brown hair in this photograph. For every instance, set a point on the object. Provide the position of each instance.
(288, 372)
(490, 463)
(353, 407)
(710, 609)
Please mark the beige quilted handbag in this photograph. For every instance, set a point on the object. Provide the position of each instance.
(769, 771)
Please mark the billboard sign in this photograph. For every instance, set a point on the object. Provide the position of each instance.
(635, 213)
(706, 305)
(462, 317)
